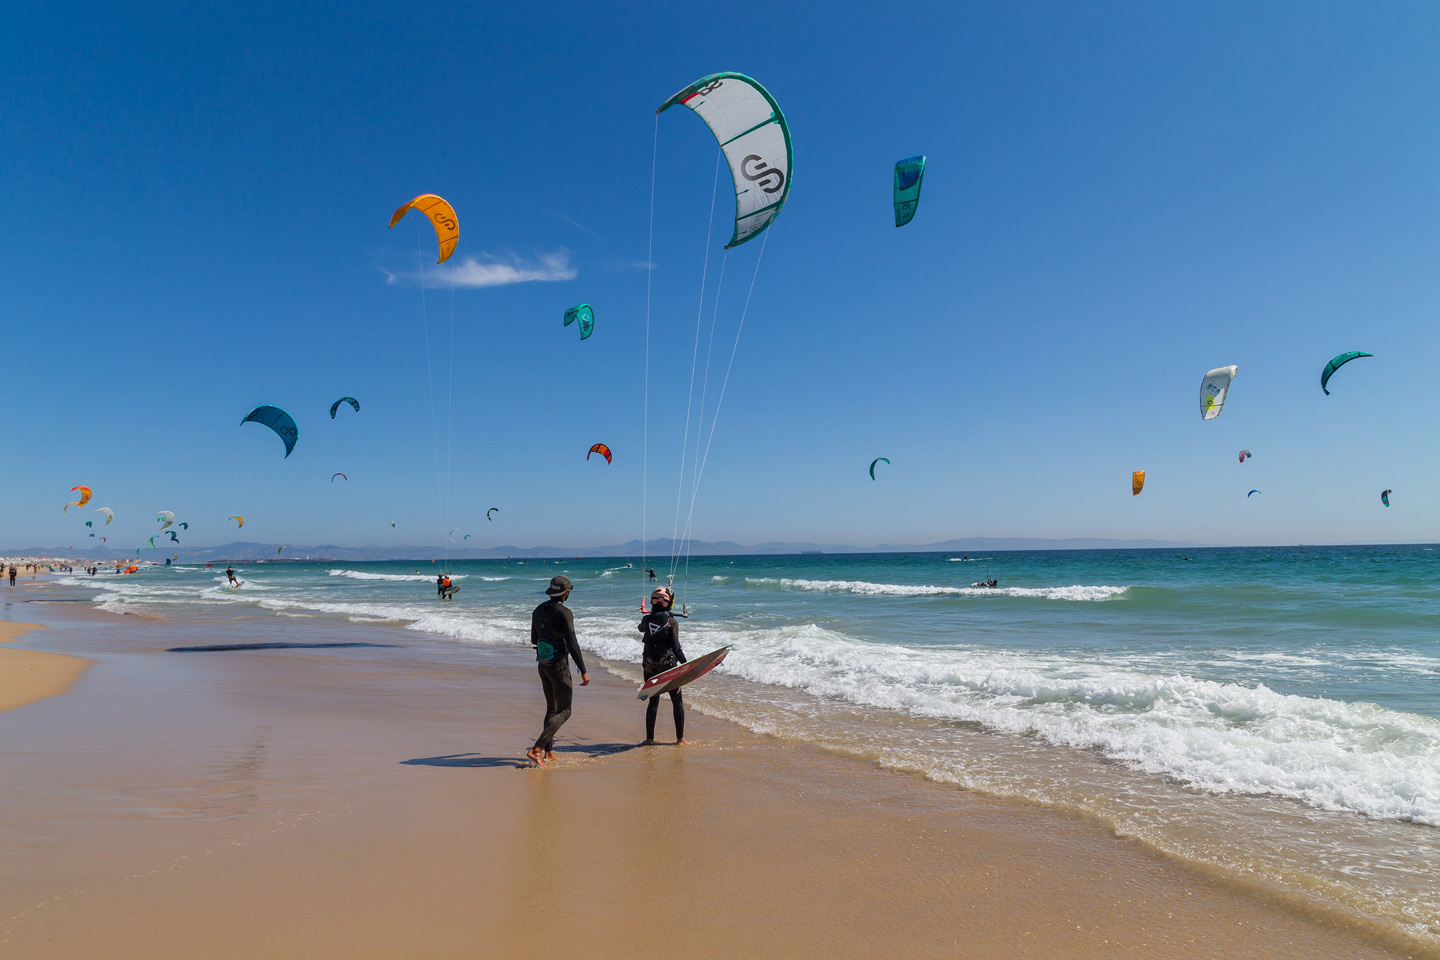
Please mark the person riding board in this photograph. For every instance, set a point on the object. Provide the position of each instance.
(660, 632)
(230, 574)
(552, 632)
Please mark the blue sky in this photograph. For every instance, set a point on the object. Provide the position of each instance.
(1118, 197)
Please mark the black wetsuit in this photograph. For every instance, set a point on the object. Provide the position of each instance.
(660, 632)
(552, 631)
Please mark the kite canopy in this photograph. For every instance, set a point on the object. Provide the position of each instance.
(239, 521)
(165, 518)
(280, 550)
(1213, 389)
(90, 523)
(908, 176)
(1137, 482)
(452, 534)
(585, 315)
(332, 478)
(1336, 364)
(441, 214)
(173, 538)
(184, 525)
(490, 511)
(875, 461)
(751, 131)
(277, 420)
(336, 405)
(1244, 454)
(601, 449)
(1251, 494)
(1385, 497)
(109, 514)
(84, 495)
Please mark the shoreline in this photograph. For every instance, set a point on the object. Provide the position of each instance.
(27, 676)
(370, 801)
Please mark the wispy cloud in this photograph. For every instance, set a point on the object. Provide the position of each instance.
(495, 271)
(501, 272)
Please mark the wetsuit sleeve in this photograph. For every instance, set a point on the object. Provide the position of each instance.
(675, 640)
(535, 626)
(571, 641)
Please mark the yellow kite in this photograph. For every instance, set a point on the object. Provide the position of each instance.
(1137, 482)
(441, 214)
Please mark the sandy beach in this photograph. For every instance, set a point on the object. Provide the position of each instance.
(369, 801)
(30, 675)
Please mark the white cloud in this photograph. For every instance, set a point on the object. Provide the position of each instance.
(501, 272)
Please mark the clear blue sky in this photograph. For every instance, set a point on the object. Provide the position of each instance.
(1119, 197)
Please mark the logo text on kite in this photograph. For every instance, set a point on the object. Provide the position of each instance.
(762, 172)
(709, 88)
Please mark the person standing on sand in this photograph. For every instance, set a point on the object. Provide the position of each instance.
(552, 632)
(660, 632)
(12, 574)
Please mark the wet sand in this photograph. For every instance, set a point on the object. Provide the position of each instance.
(371, 801)
(30, 675)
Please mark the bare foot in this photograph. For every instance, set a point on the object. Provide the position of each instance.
(682, 742)
(534, 754)
(549, 757)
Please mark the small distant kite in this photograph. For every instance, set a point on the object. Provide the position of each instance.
(466, 537)
(279, 421)
(1251, 494)
(1137, 482)
(1245, 455)
(1385, 497)
(92, 535)
(89, 523)
(1336, 364)
(173, 538)
(875, 461)
(452, 534)
(441, 214)
(1213, 387)
(490, 511)
(165, 518)
(347, 479)
(152, 543)
(84, 498)
(184, 526)
(104, 539)
(281, 549)
(908, 176)
(109, 514)
(336, 405)
(601, 449)
(586, 317)
(392, 523)
(239, 521)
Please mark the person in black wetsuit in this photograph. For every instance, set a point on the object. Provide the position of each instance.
(552, 631)
(660, 632)
(651, 572)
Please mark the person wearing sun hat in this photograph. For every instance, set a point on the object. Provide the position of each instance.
(552, 632)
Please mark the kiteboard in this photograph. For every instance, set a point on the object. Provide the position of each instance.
(450, 593)
(677, 677)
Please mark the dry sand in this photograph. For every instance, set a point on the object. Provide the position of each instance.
(369, 802)
(30, 675)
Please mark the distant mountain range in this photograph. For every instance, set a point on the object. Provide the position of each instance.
(661, 547)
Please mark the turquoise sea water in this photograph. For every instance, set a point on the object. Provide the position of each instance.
(1272, 715)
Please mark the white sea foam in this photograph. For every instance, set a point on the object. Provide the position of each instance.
(1076, 592)
(366, 575)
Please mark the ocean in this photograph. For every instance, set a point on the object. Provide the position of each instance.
(1269, 715)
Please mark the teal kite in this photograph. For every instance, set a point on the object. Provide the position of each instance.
(585, 315)
(1251, 494)
(875, 461)
(1385, 497)
(909, 174)
(336, 405)
(277, 420)
(1336, 364)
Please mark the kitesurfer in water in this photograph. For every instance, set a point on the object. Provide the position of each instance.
(651, 572)
(660, 632)
(552, 631)
(445, 587)
(230, 575)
